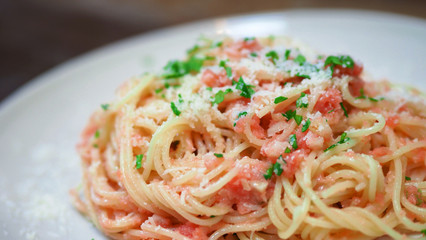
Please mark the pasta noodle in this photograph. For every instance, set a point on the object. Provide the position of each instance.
(257, 138)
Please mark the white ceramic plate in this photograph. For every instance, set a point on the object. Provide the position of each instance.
(40, 124)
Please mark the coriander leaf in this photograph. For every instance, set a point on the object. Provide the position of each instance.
(344, 109)
(97, 134)
(289, 114)
(157, 91)
(180, 98)
(253, 54)
(219, 44)
(373, 99)
(277, 169)
(175, 109)
(194, 64)
(407, 178)
(268, 174)
(361, 95)
(280, 158)
(287, 150)
(333, 60)
(298, 119)
(280, 99)
(343, 138)
(332, 146)
(303, 76)
(166, 85)
(332, 110)
(193, 50)
(105, 106)
(306, 125)
(228, 70)
(219, 155)
(293, 141)
(272, 55)
(248, 39)
(287, 54)
(209, 89)
(212, 216)
(302, 101)
(174, 69)
(246, 90)
(300, 59)
(423, 231)
(139, 161)
(242, 114)
(219, 97)
(342, 60)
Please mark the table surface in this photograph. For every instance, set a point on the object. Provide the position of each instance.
(36, 35)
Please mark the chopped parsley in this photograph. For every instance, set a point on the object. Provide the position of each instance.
(105, 106)
(302, 101)
(166, 85)
(177, 69)
(280, 158)
(246, 90)
(220, 96)
(300, 59)
(157, 91)
(272, 55)
(180, 98)
(344, 109)
(97, 133)
(175, 109)
(407, 178)
(343, 139)
(342, 60)
(419, 199)
(219, 155)
(248, 39)
(268, 173)
(280, 99)
(423, 231)
(287, 150)
(287, 54)
(298, 119)
(253, 54)
(212, 216)
(209, 89)
(303, 75)
(193, 50)
(332, 110)
(275, 168)
(376, 99)
(240, 115)
(228, 70)
(361, 94)
(306, 125)
(95, 145)
(218, 44)
(139, 161)
(293, 141)
(289, 114)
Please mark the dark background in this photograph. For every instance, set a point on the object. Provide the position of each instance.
(36, 35)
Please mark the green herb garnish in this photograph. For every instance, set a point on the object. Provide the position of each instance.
(344, 109)
(97, 134)
(287, 150)
(248, 39)
(289, 114)
(300, 59)
(240, 115)
(175, 109)
(341, 60)
(228, 70)
(287, 54)
(300, 102)
(343, 139)
(272, 55)
(139, 161)
(246, 90)
(293, 141)
(193, 50)
(268, 174)
(277, 168)
(105, 106)
(220, 96)
(157, 91)
(177, 69)
(219, 155)
(209, 89)
(298, 119)
(407, 178)
(280, 99)
(306, 125)
(253, 54)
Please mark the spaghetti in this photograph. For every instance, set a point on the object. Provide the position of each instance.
(257, 138)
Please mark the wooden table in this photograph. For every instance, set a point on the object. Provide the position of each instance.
(36, 35)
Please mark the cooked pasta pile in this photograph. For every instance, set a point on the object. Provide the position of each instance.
(256, 138)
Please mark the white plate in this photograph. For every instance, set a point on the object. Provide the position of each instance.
(40, 124)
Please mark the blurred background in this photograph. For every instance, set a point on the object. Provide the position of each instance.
(36, 35)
